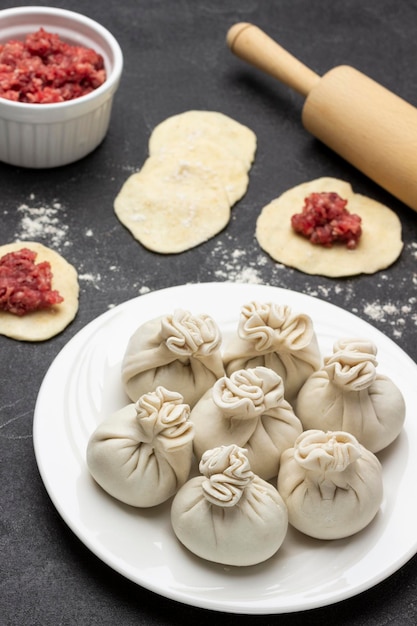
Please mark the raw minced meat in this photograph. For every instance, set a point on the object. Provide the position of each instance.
(325, 220)
(43, 69)
(24, 285)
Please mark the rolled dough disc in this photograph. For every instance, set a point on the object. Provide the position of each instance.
(192, 127)
(170, 207)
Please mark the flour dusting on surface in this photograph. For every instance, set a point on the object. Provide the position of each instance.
(94, 279)
(40, 222)
(391, 309)
(232, 265)
(396, 315)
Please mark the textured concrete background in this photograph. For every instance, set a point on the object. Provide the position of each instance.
(175, 60)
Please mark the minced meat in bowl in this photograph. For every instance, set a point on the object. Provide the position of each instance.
(57, 122)
(41, 68)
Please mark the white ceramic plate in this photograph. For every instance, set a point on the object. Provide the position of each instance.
(83, 386)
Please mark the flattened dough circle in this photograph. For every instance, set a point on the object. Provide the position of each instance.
(192, 127)
(211, 157)
(46, 323)
(170, 207)
(379, 246)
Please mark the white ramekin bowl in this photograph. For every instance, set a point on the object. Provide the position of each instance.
(50, 135)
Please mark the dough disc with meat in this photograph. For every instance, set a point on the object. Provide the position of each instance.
(379, 246)
(45, 323)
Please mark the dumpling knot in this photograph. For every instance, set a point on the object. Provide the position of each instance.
(190, 335)
(228, 473)
(162, 412)
(248, 392)
(272, 326)
(354, 344)
(352, 365)
(322, 452)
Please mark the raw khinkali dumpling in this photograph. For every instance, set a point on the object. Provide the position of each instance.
(331, 484)
(348, 394)
(272, 335)
(179, 351)
(229, 515)
(248, 409)
(143, 453)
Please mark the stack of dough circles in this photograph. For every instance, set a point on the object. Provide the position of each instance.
(197, 169)
(379, 246)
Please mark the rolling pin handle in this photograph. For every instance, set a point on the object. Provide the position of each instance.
(252, 45)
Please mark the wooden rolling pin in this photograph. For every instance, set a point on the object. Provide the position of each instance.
(365, 123)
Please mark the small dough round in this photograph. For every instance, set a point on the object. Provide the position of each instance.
(379, 246)
(210, 157)
(45, 323)
(170, 207)
(192, 127)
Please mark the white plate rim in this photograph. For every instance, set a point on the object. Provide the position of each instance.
(47, 418)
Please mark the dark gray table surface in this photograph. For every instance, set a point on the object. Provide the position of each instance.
(175, 60)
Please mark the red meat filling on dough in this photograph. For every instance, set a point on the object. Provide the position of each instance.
(325, 220)
(24, 285)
